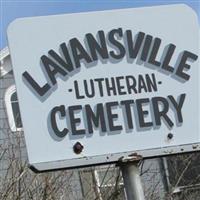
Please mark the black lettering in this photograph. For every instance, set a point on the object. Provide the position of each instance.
(76, 89)
(117, 44)
(152, 58)
(111, 116)
(41, 90)
(142, 113)
(110, 86)
(120, 87)
(79, 52)
(92, 90)
(141, 84)
(134, 49)
(146, 47)
(52, 69)
(158, 114)
(170, 51)
(97, 118)
(100, 86)
(129, 118)
(74, 121)
(178, 106)
(131, 84)
(67, 63)
(95, 46)
(151, 82)
(184, 66)
(61, 111)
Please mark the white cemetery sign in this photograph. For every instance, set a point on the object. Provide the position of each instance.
(99, 86)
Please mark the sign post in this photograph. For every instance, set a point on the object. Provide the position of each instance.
(132, 181)
(131, 177)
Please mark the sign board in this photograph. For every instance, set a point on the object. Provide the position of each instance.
(95, 87)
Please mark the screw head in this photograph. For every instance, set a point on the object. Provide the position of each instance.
(170, 136)
(78, 148)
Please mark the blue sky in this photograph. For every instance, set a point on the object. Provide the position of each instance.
(11, 10)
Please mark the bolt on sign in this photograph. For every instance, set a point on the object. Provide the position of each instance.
(99, 86)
